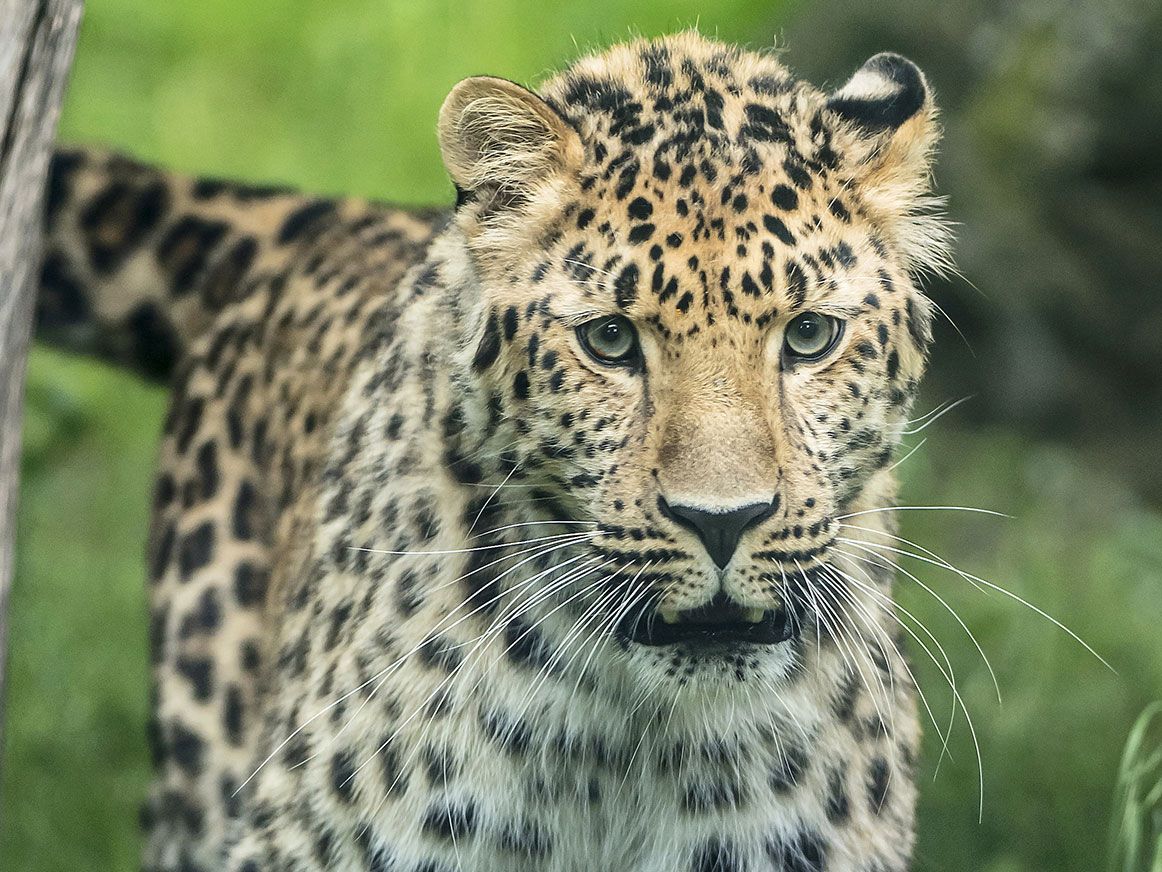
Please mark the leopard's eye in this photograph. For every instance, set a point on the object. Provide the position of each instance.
(811, 336)
(611, 340)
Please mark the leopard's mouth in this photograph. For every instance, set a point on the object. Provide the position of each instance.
(718, 622)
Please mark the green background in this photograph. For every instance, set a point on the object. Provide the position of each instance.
(341, 97)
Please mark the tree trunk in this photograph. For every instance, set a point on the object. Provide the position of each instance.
(37, 38)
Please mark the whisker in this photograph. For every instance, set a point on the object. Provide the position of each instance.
(888, 564)
(533, 524)
(913, 450)
(447, 551)
(923, 509)
(959, 700)
(969, 576)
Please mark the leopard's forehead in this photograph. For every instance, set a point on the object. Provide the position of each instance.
(711, 190)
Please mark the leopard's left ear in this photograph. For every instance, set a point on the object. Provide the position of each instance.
(502, 142)
(885, 133)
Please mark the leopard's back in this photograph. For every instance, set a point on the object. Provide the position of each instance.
(254, 304)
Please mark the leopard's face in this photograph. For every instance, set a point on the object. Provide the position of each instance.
(701, 340)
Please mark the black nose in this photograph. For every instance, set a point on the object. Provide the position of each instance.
(719, 531)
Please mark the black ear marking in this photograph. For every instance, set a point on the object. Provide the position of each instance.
(882, 94)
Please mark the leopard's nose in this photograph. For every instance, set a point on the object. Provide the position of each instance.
(719, 529)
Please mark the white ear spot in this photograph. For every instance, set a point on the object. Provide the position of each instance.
(886, 134)
(882, 94)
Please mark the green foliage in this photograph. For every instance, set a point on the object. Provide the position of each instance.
(335, 96)
(75, 763)
(1086, 551)
(1136, 828)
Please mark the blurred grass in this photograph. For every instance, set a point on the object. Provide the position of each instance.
(1136, 827)
(75, 762)
(342, 97)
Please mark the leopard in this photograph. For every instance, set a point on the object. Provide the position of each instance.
(539, 531)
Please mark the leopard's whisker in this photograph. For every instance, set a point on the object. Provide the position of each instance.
(968, 576)
(490, 498)
(382, 676)
(534, 524)
(892, 610)
(883, 509)
(493, 547)
(949, 677)
(892, 566)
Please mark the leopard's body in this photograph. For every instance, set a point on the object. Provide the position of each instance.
(402, 519)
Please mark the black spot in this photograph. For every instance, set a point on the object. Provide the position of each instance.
(185, 249)
(640, 233)
(155, 342)
(717, 856)
(836, 207)
(489, 347)
(303, 219)
(249, 656)
(796, 282)
(232, 715)
(779, 229)
(448, 820)
(878, 784)
(343, 775)
(583, 218)
(225, 279)
(196, 550)
(117, 220)
(625, 286)
(339, 617)
(512, 735)
(705, 797)
(790, 764)
(250, 584)
(62, 301)
(438, 653)
(764, 124)
(207, 615)
(798, 175)
(784, 197)
(510, 322)
(245, 511)
(188, 748)
(526, 840)
(199, 672)
(804, 852)
(520, 385)
(525, 645)
(838, 803)
(206, 461)
(61, 167)
(640, 209)
(190, 420)
(408, 598)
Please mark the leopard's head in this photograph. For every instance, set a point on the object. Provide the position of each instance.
(695, 330)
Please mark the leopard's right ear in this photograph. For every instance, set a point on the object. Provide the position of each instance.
(500, 141)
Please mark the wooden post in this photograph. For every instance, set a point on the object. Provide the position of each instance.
(37, 38)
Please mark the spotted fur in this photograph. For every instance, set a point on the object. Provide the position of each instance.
(402, 518)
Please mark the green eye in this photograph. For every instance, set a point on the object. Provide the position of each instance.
(810, 336)
(610, 340)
